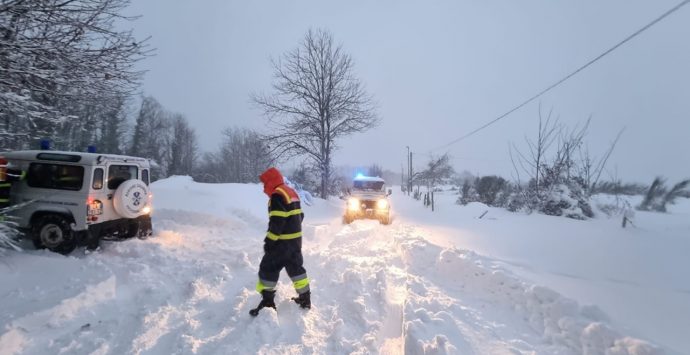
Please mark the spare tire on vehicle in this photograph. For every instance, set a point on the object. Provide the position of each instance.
(130, 198)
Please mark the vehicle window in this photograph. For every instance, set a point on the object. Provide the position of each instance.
(97, 179)
(368, 185)
(117, 174)
(55, 176)
(145, 176)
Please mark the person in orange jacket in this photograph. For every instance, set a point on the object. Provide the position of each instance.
(283, 243)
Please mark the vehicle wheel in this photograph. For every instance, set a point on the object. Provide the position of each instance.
(53, 232)
(133, 229)
(92, 241)
(145, 228)
(386, 220)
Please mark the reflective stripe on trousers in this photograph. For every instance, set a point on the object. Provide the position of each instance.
(301, 283)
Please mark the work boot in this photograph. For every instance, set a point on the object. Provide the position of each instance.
(266, 301)
(304, 300)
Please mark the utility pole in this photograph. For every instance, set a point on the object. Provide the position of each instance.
(408, 170)
(409, 178)
(402, 177)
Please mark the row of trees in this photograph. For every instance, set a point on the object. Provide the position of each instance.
(69, 75)
(164, 137)
(242, 156)
(172, 144)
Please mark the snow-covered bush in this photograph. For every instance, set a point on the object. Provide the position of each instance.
(468, 193)
(657, 196)
(556, 195)
(489, 189)
(517, 200)
(8, 232)
(568, 201)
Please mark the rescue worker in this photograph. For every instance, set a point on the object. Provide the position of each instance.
(283, 243)
(7, 177)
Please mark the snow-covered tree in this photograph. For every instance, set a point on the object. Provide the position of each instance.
(183, 147)
(438, 170)
(151, 136)
(242, 156)
(60, 60)
(375, 170)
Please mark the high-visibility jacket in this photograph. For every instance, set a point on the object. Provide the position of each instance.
(284, 210)
(7, 176)
(285, 214)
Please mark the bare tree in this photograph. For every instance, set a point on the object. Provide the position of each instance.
(316, 101)
(438, 169)
(591, 168)
(532, 165)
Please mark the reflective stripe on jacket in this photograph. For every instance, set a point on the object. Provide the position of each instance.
(285, 214)
(7, 176)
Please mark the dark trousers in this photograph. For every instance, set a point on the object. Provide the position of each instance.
(283, 254)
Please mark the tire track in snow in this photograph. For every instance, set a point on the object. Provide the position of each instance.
(359, 285)
(397, 292)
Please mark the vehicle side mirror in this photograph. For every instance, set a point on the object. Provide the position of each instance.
(390, 192)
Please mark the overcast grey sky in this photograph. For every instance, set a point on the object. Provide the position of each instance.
(440, 69)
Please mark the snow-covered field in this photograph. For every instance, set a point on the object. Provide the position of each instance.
(443, 282)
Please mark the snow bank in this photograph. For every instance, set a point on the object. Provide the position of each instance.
(463, 290)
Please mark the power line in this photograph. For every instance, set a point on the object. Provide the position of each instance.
(635, 34)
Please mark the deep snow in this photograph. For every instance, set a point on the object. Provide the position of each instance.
(417, 286)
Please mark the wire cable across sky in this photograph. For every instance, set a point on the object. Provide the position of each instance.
(561, 81)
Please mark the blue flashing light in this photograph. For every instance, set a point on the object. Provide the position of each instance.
(45, 144)
(91, 149)
(360, 175)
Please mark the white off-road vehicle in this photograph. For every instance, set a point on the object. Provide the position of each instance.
(72, 198)
(367, 199)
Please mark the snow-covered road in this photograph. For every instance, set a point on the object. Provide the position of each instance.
(376, 289)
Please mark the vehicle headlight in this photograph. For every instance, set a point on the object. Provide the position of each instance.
(146, 210)
(353, 204)
(382, 204)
